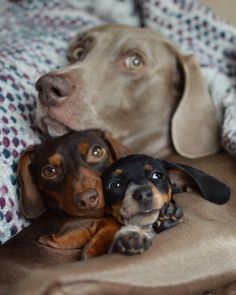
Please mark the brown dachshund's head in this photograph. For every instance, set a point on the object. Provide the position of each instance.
(64, 173)
(136, 187)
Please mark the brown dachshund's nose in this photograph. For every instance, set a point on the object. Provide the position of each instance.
(87, 199)
(143, 196)
(53, 89)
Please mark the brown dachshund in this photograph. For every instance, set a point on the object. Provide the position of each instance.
(139, 188)
(63, 174)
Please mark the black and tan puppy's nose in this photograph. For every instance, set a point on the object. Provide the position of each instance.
(53, 89)
(143, 196)
(87, 199)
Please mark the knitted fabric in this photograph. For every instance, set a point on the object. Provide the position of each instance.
(33, 39)
(197, 30)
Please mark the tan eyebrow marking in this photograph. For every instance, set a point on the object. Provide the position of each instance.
(148, 167)
(55, 159)
(117, 172)
(83, 148)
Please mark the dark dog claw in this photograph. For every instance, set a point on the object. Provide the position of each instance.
(170, 215)
(178, 213)
(169, 210)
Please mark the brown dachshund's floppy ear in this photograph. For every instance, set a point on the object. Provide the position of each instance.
(118, 149)
(31, 202)
(184, 178)
(194, 127)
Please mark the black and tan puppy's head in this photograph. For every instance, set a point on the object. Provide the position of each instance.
(136, 187)
(64, 173)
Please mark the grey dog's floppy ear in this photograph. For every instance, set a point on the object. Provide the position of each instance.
(31, 202)
(184, 177)
(194, 127)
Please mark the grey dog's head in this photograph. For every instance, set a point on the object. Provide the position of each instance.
(127, 81)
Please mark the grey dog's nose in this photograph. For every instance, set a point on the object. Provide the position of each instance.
(143, 195)
(53, 89)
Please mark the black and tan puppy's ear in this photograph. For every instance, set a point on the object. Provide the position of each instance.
(31, 203)
(185, 178)
(118, 149)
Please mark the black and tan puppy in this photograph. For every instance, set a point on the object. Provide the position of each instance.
(139, 188)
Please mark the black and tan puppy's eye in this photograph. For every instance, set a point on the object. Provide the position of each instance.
(157, 175)
(95, 154)
(113, 184)
(134, 62)
(49, 171)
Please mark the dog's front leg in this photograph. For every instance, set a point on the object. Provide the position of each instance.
(102, 240)
(70, 238)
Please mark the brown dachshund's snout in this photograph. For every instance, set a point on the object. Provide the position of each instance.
(143, 195)
(86, 200)
(53, 89)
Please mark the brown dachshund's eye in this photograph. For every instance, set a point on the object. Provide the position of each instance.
(156, 175)
(49, 171)
(134, 62)
(96, 154)
(97, 151)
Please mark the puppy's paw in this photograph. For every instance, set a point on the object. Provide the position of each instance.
(46, 240)
(170, 215)
(88, 252)
(130, 241)
(49, 240)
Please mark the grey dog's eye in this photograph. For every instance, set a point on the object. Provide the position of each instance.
(113, 184)
(78, 53)
(134, 62)
(157, 175)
